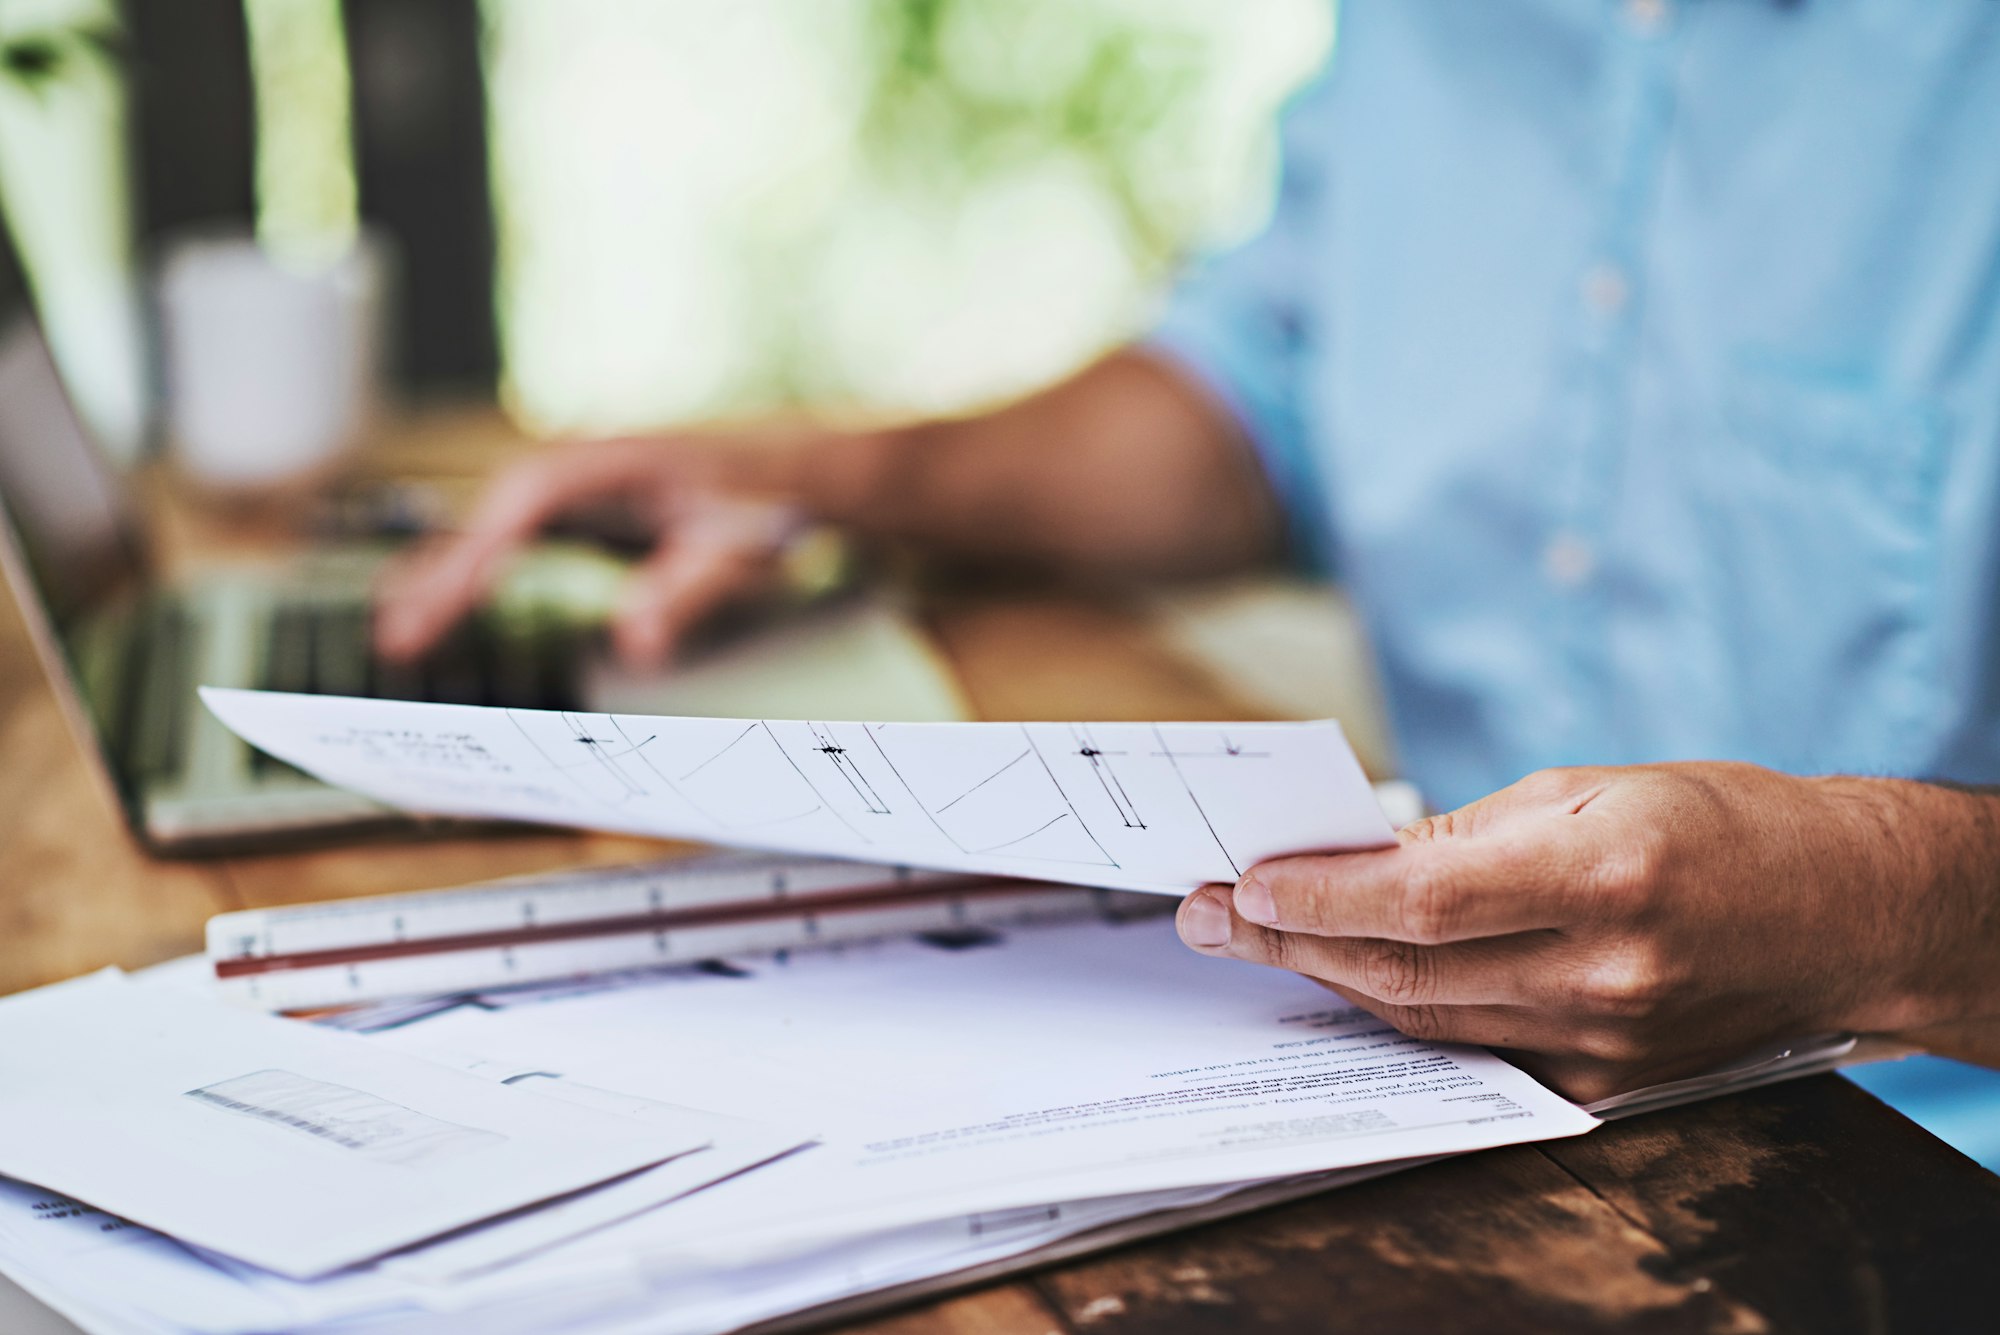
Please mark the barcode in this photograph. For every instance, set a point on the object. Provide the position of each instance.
(339, 1116)
(282, 1118)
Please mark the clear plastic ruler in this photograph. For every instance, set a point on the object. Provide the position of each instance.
(552, 926)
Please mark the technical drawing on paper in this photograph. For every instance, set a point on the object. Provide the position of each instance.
(990, 792)
(729, 773)
(1134, 805)
(593, 757)
(1107, 776)
(848, 769)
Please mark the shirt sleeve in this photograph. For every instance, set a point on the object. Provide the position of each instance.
(1243, 323)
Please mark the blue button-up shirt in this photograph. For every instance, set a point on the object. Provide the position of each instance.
(1636, 368)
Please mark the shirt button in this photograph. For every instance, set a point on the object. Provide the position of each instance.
(1649, 17)
(1568, 561)
(1605, 289)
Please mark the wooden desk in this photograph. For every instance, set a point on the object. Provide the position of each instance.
(1805, 1207)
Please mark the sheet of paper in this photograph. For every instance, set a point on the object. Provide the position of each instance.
(66, 1306)
(1144, 806)
(965, 1077)
(137, 1279)
(1049, 1063)
(1764, 1066)
(65, 1244)
(116, 1278)
(297, 1149)
(75, 1252)
(734, 1145)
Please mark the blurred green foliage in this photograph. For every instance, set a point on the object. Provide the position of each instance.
(65, 196)
(863, 209)
(969, 87)
(39, 58)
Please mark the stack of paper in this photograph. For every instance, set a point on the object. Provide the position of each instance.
(958, 1104)
(707, 1145)
(965, 1101)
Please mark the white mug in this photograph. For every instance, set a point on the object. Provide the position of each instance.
(273, 370)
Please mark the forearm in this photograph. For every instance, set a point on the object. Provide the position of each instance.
(1946, 840)
(1124, 469)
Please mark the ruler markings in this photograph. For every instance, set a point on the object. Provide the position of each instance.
(885, 895)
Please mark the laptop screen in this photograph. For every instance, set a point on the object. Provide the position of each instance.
(62, 500)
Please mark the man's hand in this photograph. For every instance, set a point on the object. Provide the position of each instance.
(716, 538)
(1126, 468)
(1618, 927)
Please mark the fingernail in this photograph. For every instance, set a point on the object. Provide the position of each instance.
(1253, 901)
(1205, 922)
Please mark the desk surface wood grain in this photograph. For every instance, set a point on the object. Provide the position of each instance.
(1808, 1206)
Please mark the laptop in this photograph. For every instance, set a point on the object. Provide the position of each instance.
(124, 649)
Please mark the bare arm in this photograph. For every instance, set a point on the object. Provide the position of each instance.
(1126, 468)
(1620, 927)
(1959, 831)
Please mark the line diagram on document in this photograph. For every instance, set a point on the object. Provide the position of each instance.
(1123, 797)
(848, 768)
(1107, 776)
(731, 773)
(990, 792)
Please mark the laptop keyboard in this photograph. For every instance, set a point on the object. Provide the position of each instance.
(159, 683)
(317, 647)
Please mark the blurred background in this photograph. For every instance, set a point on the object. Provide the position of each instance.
(253, 226)
(622, 214)
(252, 222)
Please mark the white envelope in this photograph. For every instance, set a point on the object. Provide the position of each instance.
(293, 1148)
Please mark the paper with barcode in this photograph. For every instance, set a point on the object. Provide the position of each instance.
(294, 1148)
(1162, 807)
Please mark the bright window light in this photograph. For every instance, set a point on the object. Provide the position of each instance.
(65, 191)
(306, 212)
(863, 208)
